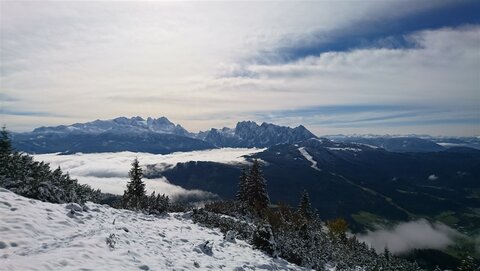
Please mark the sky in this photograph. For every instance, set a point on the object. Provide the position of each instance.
(337, 67)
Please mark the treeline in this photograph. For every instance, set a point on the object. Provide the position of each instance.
(21, 174)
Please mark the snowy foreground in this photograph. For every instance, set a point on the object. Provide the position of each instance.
(42, 236)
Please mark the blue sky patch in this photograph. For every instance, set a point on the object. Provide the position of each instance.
(377, 34)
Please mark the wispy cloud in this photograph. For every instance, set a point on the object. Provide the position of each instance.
(7, 98)
(6, 111)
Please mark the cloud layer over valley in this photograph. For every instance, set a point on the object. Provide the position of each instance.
(407, 236)
(109, 171)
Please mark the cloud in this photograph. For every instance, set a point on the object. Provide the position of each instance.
(6, 111)
(432, 177)
(209, 64)
(438, 75)
(116, 186)
(109, 171)
(404, 237)
(369, 34)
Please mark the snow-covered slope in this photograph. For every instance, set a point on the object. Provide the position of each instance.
(309, 158)
(42, 236)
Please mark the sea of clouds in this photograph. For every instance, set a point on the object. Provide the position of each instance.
(404, 237)
(109, 171)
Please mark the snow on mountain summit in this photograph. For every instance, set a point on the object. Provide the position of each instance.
(249, 134)
(154, 135)
(119, 125)
(43, 236)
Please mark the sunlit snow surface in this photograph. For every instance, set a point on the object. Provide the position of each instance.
(109, 171)
(42, 236)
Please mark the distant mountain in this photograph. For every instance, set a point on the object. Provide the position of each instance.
(107, 142)
(394, 144)
(121, 125)
(250, 134)
(449, 142)
(120, 134)
(159, 135)
(151, 135)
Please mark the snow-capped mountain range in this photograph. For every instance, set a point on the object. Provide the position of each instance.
(152, 135)
(161, 136)
(119, 125)
(250, 134)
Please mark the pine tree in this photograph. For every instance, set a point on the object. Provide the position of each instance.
(151, 203)
(242, 187)
(386, 253)
(5, 144)
(305, 207)
(134, 196)
(256, 188)
(5, 149)
(162, 203)
(263, 239)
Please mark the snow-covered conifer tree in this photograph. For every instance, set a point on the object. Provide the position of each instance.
(134, 196)
(242, 187)
(256, 188)
(305, 207)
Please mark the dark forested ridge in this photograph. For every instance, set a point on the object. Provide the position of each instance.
(350, 179)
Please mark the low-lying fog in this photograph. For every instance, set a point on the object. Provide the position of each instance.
(404, 237)
(109, 171)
